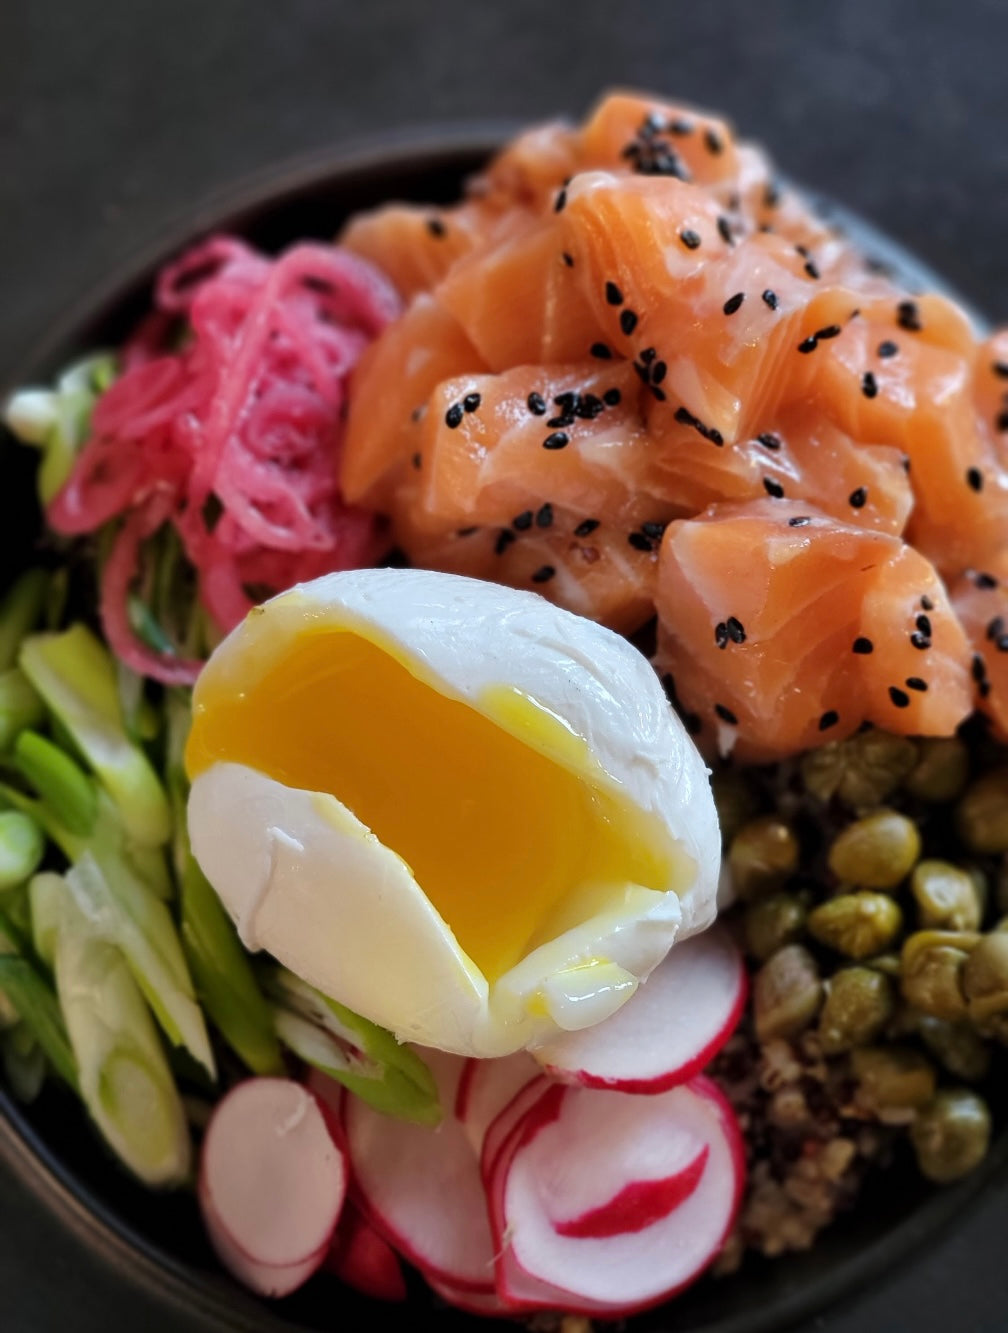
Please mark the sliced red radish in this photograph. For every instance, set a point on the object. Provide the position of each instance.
(668, 1031)
(421, 1188)
(485, 1303)
(486, 1087)
(364, 1260)
(272, 1184)
(499, 1130)
(564, 1185)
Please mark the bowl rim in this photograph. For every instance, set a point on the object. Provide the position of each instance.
(211, 1297)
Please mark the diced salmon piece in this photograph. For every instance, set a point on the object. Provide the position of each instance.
(415, 246)
(980, 599)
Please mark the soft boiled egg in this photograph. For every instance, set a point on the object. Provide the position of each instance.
(460, 811)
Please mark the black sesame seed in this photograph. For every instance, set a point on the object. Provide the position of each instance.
(733, 303)
(974, 478)
(978, 668)
(869, 385)
(471, 402)
(886, 349)
(659, 394)
(996, 628)
(771, 195)
(648, 355)
(830, 331)
(916, 683)
(588, 406)
(658, 372)
(858, 498)
(713, 141)
(544, 516)
(612, 397)
(565, 420)
(543, 574)
(522, 521)
(639, 542)
(436, 227)
(920, 641)
(467, 532)
(927, 603)
(899, 697)
(908, 316)
(1001, 422)
(504, 539)
(829, 719)
(769, 441)
(653, 529)
(536, 404)
(811, 269)
(561, 201)
(736, 631)
(773, 488)
(586, 527)
(627, 321)
(558, 440)
(601, 351)
(726, 715)
(801, 521)
(680, 126)
(1000, 368)
(770, 297)
(567, 259)
(721, 634)
(689, 238)
(985, 581)
(808, 344)
(724, 231)
(417, 461)
(924, 625)
(613, 294)
(862, 646)
(453, 417)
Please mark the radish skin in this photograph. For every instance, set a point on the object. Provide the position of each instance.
(364, 1260)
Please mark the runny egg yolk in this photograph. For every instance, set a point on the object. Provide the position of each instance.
(510, 846)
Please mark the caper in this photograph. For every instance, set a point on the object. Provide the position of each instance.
(891, 1077)
(861, 771)
(932, 963)
(856, 924)
(735, 801)
(773, 922)
(951, 1135)
(941, 771)
(982, 813)
(787, 993)
(985, 977)
(762, 854)
(958, 1047)
(946, 896)
(887, 963)
(876, 851)
(858, 1005)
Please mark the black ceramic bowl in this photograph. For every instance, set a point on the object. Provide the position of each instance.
(159, 1240)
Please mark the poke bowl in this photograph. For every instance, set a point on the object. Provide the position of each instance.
(880, 1214)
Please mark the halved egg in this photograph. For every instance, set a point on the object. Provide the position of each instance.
(464, 813)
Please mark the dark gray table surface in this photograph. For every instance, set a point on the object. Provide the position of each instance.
(116, 116)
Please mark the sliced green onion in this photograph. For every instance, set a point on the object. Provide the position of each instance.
(20, 612)
(22, 846)
(24, 1062)
(36, 1003)
(63, 786)
(21, 706)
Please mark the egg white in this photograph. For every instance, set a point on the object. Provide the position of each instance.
(304, 879)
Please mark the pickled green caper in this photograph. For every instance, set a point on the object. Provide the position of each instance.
(856, 924)
(932, 966)
(951, 1135)
(861, 771)
(735, 801)
(941, 770)
(946, 896)
(877, 851)
(887, 963)
(892, 1077)
(982, 813)
(985, 977)
(858, 1004)
(761, 855)
(957, 1047)
(787, 993)
(772, 922)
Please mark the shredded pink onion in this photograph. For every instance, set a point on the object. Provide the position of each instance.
(247, 414)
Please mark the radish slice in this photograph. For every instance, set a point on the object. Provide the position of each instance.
(486, 1087)
(421, 1188)
(563, 1184)
(668, 1031)
(486, 1303)
(364, 1260)
(272, 1184)
(498, 1133)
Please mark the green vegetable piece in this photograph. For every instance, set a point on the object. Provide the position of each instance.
(982, 814)
(22, 846)
(941, 771)
(124, 1078)
(856, 924)
(877, 851)
(20, 611)
(985, 977)
(860, 772)
(787, 993)
(46, 893)
(24, 1062)
(958, 1047)
(76, 676)
(763, 853)
(932, 965)
(892, 1077)
(36, 1003)
(365, 1058)
(64, 787)
(772, 922)
(946, 896)
(858, 1005)
(951, 1135)
(21, 706)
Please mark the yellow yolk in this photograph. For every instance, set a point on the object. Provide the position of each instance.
(504, 841)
